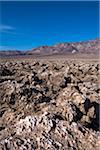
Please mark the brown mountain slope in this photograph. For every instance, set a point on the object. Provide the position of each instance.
(91, 46)
(86, 47)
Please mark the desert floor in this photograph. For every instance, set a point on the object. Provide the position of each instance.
(49, 103)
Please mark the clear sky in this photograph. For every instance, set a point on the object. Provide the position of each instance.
(29, 24)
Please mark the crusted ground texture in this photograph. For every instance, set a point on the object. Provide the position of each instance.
(49, 105)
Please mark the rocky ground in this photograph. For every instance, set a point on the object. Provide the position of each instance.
(49, 105)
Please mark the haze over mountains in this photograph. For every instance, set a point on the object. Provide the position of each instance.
(86, 47)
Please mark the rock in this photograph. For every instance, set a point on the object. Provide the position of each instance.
(78, 98)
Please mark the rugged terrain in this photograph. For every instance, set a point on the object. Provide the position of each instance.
(49, 105)
(71, 48)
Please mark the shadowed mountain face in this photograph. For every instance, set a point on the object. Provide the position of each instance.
(87, 47)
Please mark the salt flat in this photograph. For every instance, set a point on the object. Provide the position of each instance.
(49, 103)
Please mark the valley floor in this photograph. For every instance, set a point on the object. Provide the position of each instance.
(49, 103)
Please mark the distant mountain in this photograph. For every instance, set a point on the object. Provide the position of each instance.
(86, 47)
(11, 53)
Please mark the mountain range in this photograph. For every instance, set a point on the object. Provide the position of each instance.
(84, 47)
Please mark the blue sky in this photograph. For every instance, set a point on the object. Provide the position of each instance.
(28, 24)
